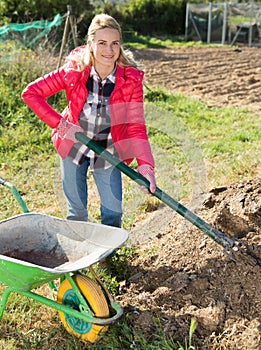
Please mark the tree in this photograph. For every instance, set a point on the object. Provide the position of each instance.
(29, 10)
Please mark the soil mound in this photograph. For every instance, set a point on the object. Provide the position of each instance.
(182, 274)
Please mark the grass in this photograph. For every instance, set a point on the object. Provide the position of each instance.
(29, 326)
(134, 40)
(195, 148)
(224, 141)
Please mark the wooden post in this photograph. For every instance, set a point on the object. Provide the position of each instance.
(73, 25)
(68, 22)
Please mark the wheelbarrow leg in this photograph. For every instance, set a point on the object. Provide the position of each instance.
(3, 301)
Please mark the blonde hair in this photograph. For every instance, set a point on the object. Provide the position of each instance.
(82, 58)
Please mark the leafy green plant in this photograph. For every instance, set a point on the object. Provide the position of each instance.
(117, 265)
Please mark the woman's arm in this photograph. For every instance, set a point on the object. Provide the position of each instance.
(36, 93)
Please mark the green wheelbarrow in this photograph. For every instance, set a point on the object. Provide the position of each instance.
(36, 249)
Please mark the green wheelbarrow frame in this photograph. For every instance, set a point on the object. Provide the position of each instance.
(85, 314)
(21, 276)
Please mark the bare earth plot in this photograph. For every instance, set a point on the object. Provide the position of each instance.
(180, 273)
(218, 76)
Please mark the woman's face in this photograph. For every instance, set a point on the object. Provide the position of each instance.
(105, 48)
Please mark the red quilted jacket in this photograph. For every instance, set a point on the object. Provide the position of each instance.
(128, 128)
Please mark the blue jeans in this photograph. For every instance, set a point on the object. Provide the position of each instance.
(75, 187)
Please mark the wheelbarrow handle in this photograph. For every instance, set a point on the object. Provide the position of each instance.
(218, 236)
(15, 193)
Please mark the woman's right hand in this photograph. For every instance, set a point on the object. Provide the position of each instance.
(147, 171)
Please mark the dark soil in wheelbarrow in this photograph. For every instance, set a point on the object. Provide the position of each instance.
(40, 258)
(180, 274)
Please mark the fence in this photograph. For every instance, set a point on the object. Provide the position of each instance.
(29, 33)
(224, 23)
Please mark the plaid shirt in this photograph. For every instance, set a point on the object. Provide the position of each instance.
(95, 120)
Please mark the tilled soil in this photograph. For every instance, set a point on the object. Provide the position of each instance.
(218, 76)
(180, 273)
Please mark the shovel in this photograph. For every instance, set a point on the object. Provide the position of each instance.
(219, 237)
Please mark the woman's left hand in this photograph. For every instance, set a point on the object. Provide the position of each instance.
(67, 130)
(147, 171)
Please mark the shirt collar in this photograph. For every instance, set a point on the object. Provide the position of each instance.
(110, 77)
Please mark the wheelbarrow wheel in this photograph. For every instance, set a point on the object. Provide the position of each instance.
(96, 301)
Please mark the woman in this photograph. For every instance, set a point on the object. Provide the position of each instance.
(105, 101)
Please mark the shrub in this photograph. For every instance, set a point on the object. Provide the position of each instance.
(150, 17)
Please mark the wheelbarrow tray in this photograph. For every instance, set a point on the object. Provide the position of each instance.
(38, 248)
